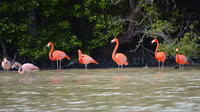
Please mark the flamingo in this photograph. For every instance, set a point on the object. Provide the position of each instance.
(85, 59)
(56, 55)
(6, 64)
(181, 59)
(119, 58)
(160, 56)
(27, 67)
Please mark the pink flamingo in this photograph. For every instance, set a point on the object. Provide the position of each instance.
(5, 64)
(27, 67)
(160, 56)
(181, 59)
(119, 58)
(85, 59)
(56, 55)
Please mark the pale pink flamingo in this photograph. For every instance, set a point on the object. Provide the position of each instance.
(119, 58)
(6, 64)
(85, 59)
(181, 59)
(57, 55)
(160, 56)
(27, 67)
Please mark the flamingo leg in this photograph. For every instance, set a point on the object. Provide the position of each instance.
(159, 65)
(121, 67)
(181, 66)
(86, 67)
(162, 65)
(118, 67)
(60, 65)
(57, 64)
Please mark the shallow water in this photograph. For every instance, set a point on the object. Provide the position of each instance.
(101, 90)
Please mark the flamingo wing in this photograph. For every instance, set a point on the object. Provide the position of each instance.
(160, 56)
(58, 55)
(29, 67)
(121, 59)
(182, 59)
(87, 59)
(6, 65)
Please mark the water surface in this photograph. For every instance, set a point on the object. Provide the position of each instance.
(101, 90)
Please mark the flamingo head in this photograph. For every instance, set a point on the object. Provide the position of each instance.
(20, 70)
(114, 40)
(5, 59)
(16, 65)
(79, 51)
(154, 40)
(176, 49)
(49, 44)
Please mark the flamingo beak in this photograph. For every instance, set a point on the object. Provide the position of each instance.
(47, 45)
(152, 41)
(112, 41)
(15, 66)
(176, 49)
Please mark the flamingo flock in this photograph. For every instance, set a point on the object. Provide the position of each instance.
(119, 58)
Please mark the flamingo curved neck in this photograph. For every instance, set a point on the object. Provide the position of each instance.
(20, 70)
(79, 56)
(50, 53)
(156, 48)
(115, 50)
(177, 56)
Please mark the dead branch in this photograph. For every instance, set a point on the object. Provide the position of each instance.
(140, 42)
(115, 2)
(183, 28)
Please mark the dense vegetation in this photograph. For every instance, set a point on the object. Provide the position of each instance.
(26, 27)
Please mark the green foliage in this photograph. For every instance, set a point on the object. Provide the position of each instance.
(161, 26)
(187, 45)
(100, 14)
(53, 26)
(164, 25)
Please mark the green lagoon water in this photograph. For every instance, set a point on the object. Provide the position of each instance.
(101, 90)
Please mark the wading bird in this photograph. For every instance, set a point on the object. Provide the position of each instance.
(57, 55)
(27, 67)
(85, 59)
(160, 56)
(181, 59)
(119, 58)
(6, 64)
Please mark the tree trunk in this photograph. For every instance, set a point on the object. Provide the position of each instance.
(32, 26)
(4, 49)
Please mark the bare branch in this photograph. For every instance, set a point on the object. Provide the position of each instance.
(139, 43)
(115, 2)
(183, 28)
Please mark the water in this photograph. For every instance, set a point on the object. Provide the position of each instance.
(101, 90)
